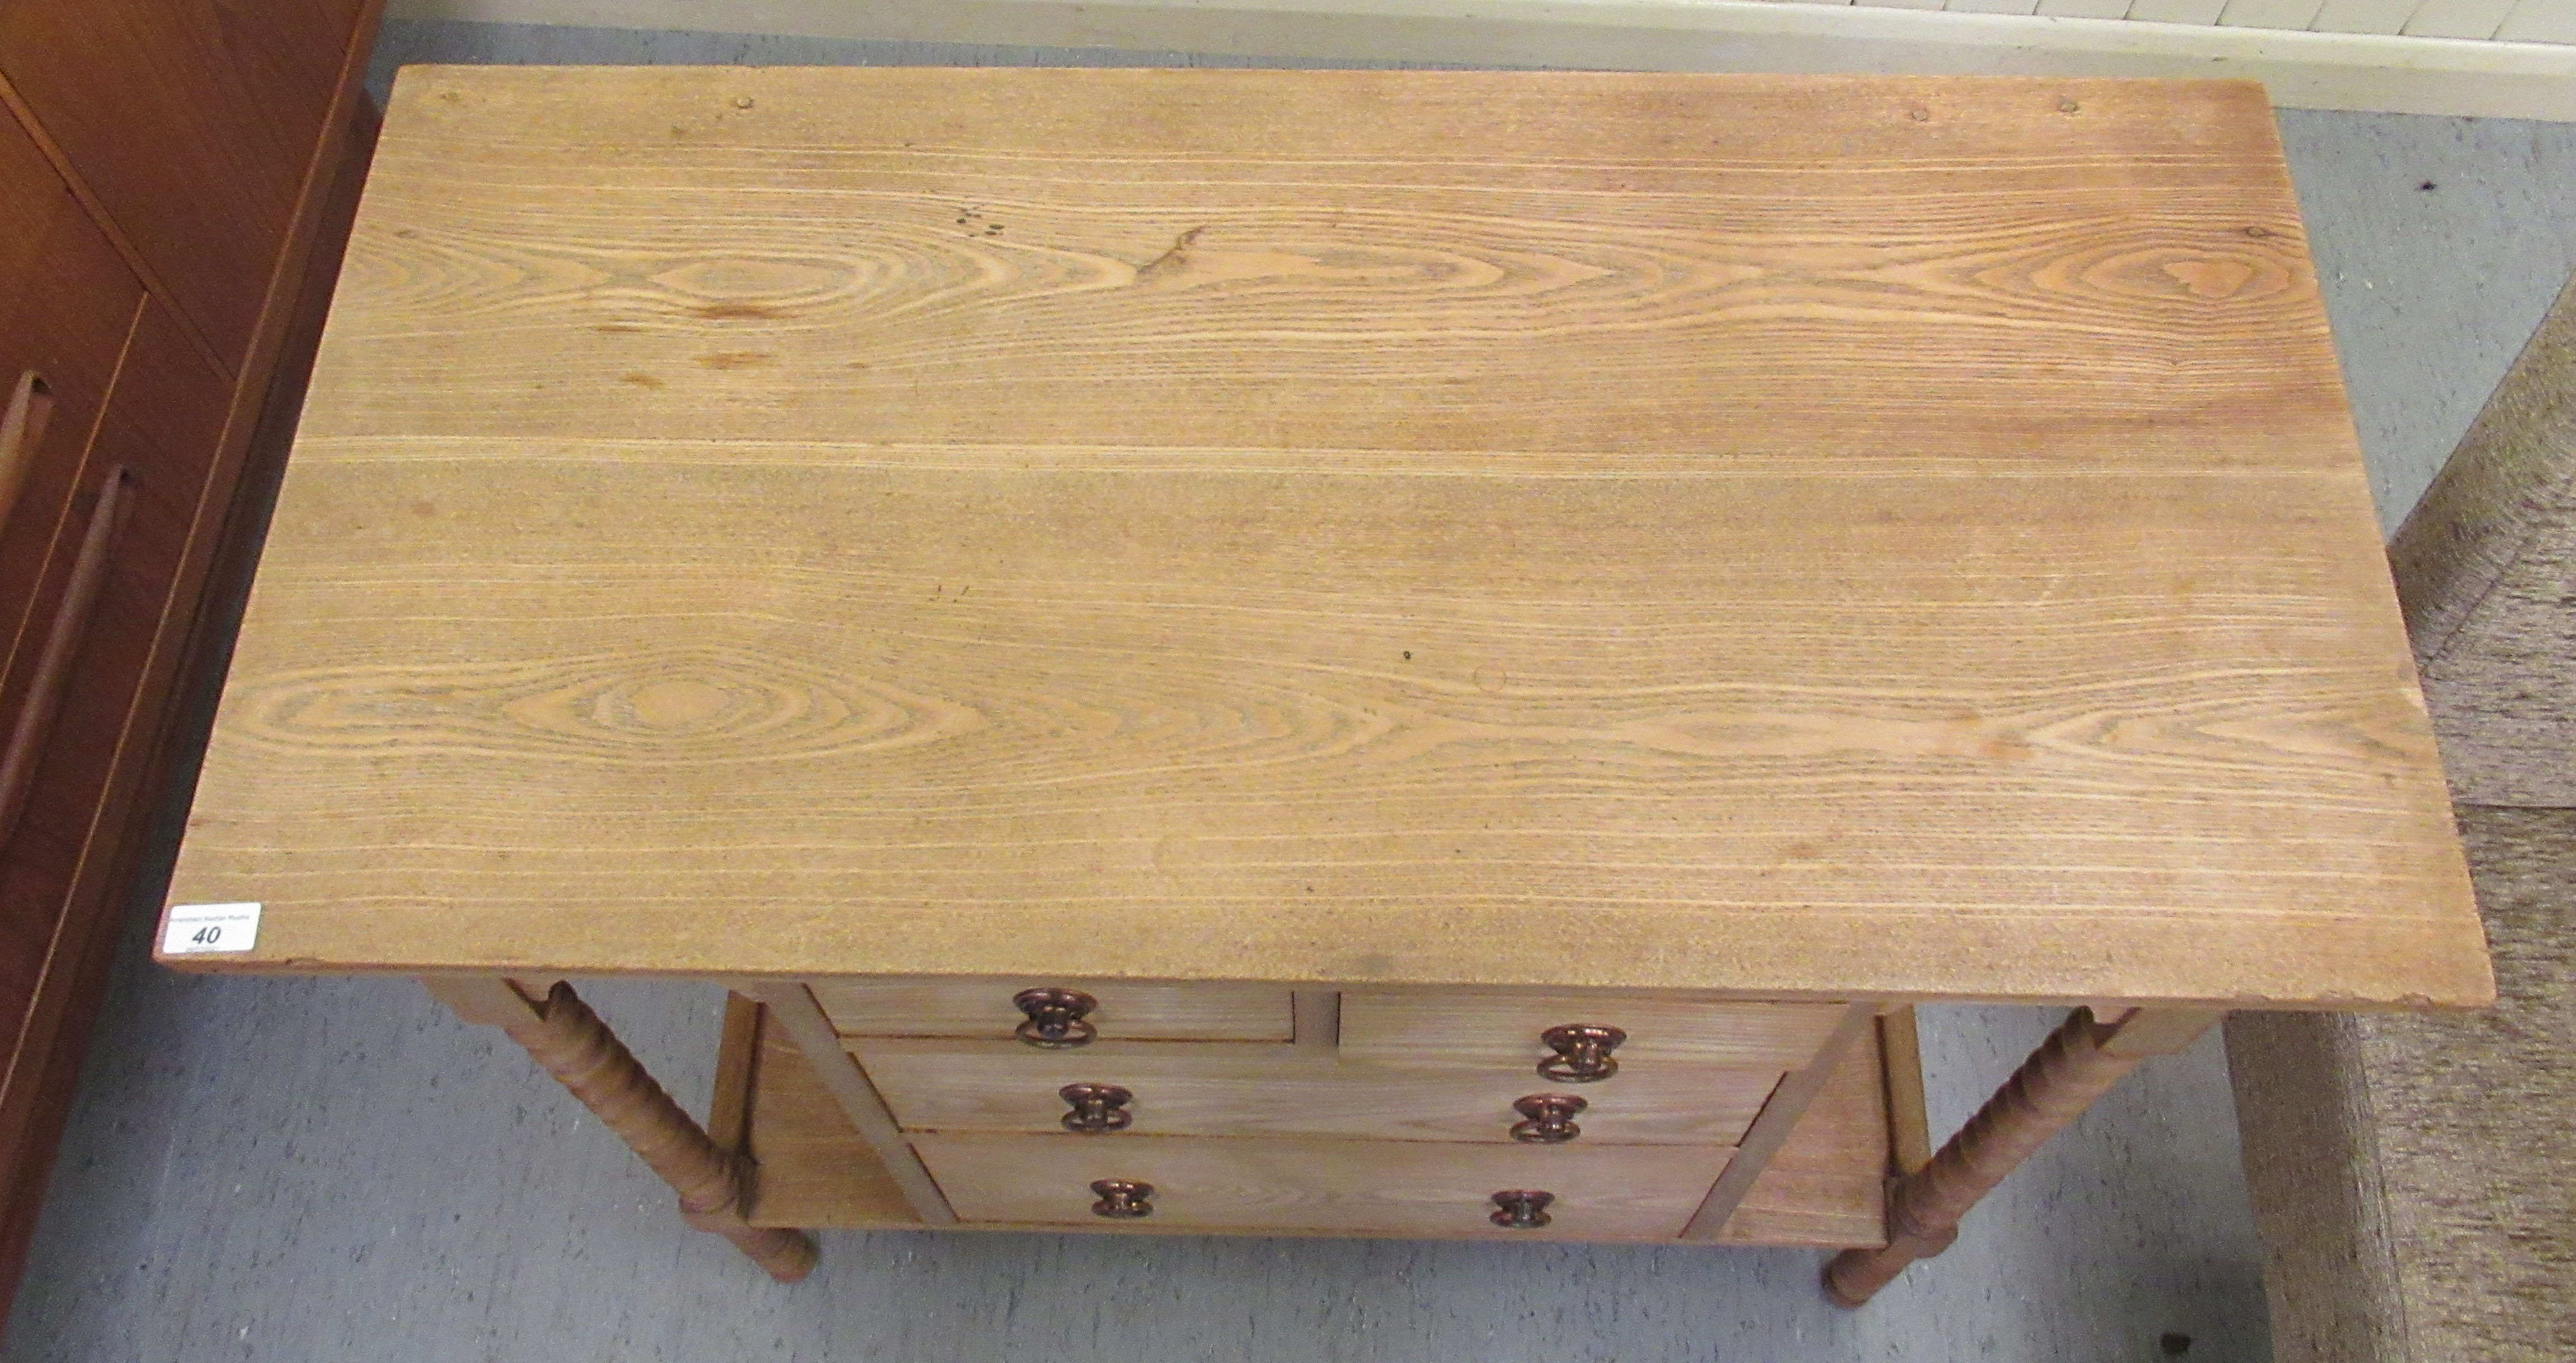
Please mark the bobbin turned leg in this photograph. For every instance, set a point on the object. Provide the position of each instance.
(568, 1041)
(2078, 1064)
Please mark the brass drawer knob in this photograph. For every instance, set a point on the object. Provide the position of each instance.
(1124, 1199)
(1517, 1209)
(1096, 1107)
(1546, 1118)
(1582, 1052)
(1056, 1017)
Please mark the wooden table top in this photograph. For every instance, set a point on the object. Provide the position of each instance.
(1792, 536)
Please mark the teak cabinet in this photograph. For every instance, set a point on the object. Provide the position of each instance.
(175, 176)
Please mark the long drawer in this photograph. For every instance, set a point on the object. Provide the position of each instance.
(1397, 1188)
(1172, 1090)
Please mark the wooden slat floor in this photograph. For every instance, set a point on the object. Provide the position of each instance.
(336, 1170)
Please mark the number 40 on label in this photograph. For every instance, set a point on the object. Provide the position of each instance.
(194, 928)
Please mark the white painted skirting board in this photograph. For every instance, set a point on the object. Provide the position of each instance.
(2303, 70)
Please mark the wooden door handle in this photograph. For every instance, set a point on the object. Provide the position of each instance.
(62, 645)
(22, 429)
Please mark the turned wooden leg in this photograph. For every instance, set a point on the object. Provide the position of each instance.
(2078, 1064)
(568, 1041)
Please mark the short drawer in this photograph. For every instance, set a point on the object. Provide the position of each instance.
(937, 1086)
(1441, 1027)
(1415, 1188)
(1123, 1010)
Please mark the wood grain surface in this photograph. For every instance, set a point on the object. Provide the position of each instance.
(1781, 1113)
(815, 1169)
(1816, 537)
(1203, 1091)
(1827, 1186)
(792, 1008)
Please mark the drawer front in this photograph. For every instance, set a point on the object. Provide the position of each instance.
(1438, 1027)
(101, 648)
(77, 769)
(1124, 1010)
(1421, 1188)
(959, 1086)
(66, 304)
(193, 122)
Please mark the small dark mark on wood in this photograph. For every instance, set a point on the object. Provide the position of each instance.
(1175, 258)
(640, 380)
(617, 328)
(735, 359)
(725, 311)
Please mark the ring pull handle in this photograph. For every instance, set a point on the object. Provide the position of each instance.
(1547, 1118)
(1122, 1199)
(1096, 1108)
(1055, 1017)
(1582, 1052)
(1517, 1208)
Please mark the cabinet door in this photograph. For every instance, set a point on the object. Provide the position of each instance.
(66, 304)
(193, 121)
(137, 508)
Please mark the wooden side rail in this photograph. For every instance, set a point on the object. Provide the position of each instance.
(2079, 1063)
(568, 1041)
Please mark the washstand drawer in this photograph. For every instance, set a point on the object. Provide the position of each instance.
(1416, 1188)
(1511, 1028)
(1119, 1010)
(1174, 1091)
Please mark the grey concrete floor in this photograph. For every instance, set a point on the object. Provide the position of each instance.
(334, 1170)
